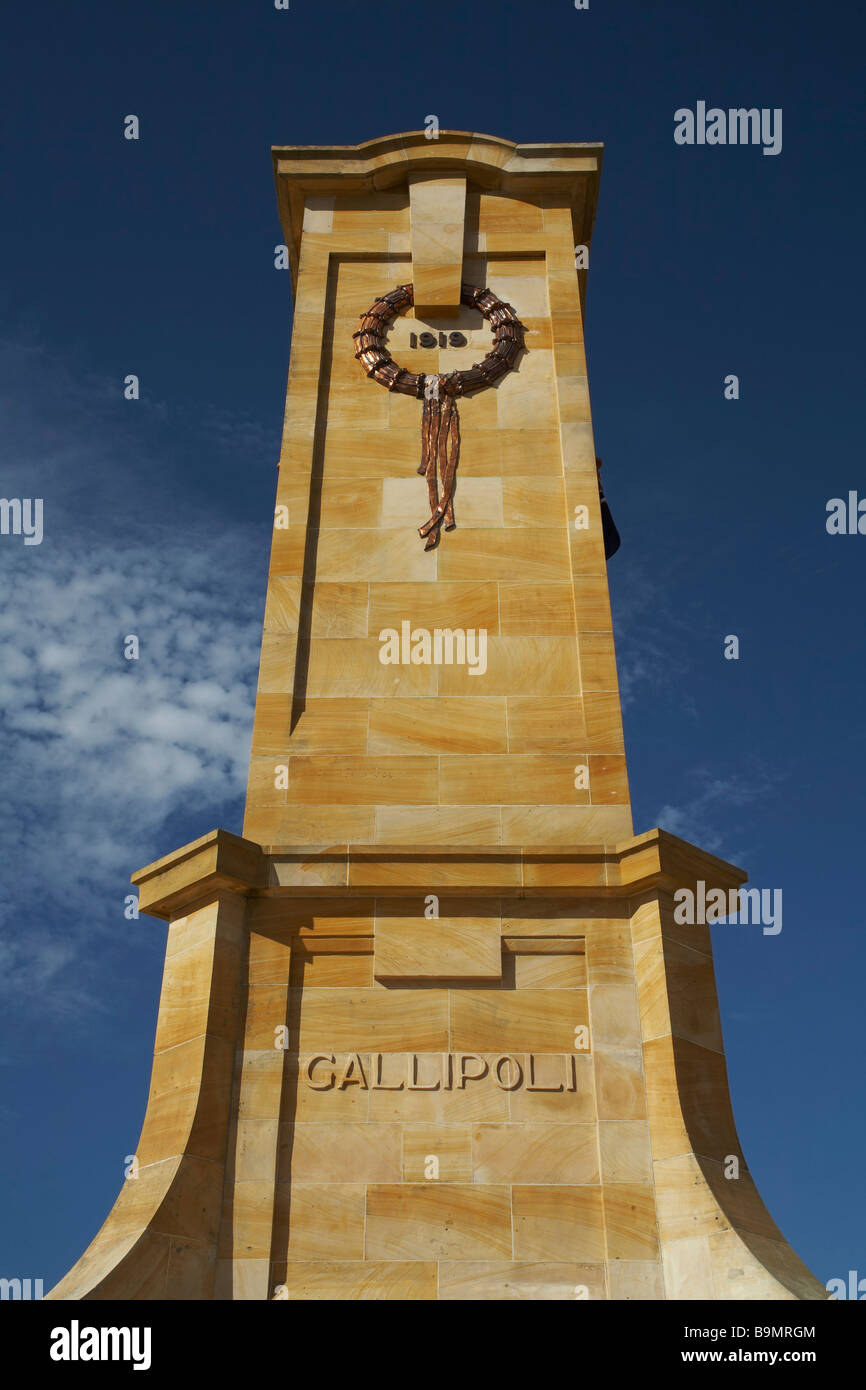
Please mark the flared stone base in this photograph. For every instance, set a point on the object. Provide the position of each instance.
(418, 1073)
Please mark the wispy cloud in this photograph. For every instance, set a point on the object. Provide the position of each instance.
(101, 752)
(705, 817)
(103, 758)
(663, 646)
(655, 634)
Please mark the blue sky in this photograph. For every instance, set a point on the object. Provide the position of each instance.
(156, 257)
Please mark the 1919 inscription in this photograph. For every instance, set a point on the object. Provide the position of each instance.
(428, 340)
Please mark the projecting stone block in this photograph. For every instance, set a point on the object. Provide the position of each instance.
(436, 949)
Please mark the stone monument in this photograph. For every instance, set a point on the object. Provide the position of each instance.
(431, 1029)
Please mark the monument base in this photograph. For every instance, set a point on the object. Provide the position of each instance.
(437, 1073)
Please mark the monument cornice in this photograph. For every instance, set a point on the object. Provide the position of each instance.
(220, 862)
(385, 164)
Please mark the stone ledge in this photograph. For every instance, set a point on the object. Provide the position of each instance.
(218, 861)
(222, 862)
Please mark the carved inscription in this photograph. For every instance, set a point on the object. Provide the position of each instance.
(434, 1071)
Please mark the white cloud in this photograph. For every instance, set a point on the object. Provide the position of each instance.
(99, 753)
(655, 632)
(697, 819)
(107, 764)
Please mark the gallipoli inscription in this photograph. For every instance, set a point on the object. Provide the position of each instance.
(434, 1071)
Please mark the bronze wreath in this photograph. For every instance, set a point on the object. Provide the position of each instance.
(440, 433)
(377, 362)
